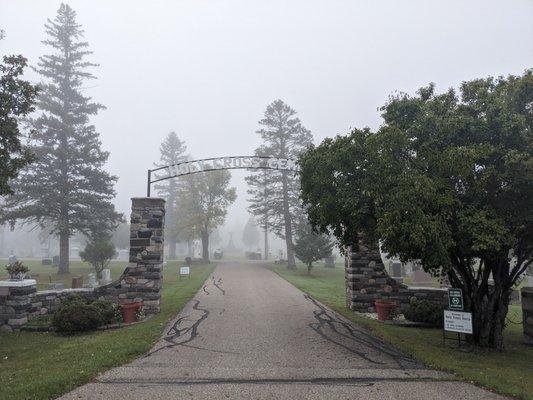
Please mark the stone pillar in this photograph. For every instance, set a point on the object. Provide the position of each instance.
(17, 303)
(366, 278)
(143, 279)
(527, 314)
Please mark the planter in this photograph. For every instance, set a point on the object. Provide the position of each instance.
(383, 308)
(128, 311)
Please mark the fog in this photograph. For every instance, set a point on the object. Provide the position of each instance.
(208, 69)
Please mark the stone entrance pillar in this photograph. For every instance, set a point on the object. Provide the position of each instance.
(144, 277)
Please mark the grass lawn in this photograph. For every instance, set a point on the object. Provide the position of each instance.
(509, 372)
(44, 274)
(45, 365)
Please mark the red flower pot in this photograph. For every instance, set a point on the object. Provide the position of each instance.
(383, 308)
(128, 311)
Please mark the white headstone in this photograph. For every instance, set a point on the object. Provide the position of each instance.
(92, 281)
(106, 276)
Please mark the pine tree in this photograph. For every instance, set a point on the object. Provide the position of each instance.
(311, 246)
(275, 195)
(172, 152)
(250, 234)
(66, 188)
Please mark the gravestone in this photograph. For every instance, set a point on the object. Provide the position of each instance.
(92, 282)
(77, 282)
(106, 276)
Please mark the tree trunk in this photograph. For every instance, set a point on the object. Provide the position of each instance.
(291, 262)
(64, 252)
(172, 249)
(309, 266)
(205, 245)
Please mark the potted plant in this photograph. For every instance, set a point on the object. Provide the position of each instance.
(17, 271)
(384, 308)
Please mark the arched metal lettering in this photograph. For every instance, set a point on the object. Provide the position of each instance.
(214, 164)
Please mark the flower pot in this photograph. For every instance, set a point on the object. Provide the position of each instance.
(383, 308)
(128, 311)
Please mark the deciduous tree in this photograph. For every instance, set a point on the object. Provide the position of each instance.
(17, 99)
(447, 181)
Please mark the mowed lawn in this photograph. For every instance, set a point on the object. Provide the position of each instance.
(509, 372)
(44, 274)
(45, 365)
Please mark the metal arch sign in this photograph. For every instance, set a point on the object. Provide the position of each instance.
(214, 164)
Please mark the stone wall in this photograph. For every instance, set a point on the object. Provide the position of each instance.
(527, 314)
(367, 280)
(140, 282)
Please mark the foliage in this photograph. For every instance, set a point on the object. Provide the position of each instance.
(76, 317)
(250, 234)
(65, 188)
(80, 314)
(172, 151)
(425, 311)
(205, 198)
(446, 180)
(506, 372)
(121, 235)
(311, 246)
(98, 253)
(16, 270)
(274, 195)
(17, 99)
(94, 353)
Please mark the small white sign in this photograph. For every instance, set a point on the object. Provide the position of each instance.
(184, 271)
(457, 321)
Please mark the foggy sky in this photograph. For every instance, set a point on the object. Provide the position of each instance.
(207, 69)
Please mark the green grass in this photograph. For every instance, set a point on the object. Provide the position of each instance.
(45, 365)
(509, 372)
(44, 274)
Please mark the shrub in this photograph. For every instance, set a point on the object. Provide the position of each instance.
(80, 314)
(77, 317)
(109, 311)
(425, 311)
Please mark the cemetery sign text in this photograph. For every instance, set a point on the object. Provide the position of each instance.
(213, 164)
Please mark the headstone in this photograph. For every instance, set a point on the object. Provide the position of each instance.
(12, 259)
(77, 282)
(396, 269)
(55, 261)
(92, 281)
(46, 261)
(55, 286)
(106, 276)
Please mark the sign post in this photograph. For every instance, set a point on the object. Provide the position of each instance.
(185, 271)
(455, 318)
(455, 299)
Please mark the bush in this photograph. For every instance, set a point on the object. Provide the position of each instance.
(80, 314)
(425, 311)
(109, 311)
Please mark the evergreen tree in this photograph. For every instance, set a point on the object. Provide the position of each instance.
(311, 246)
(66, 188)
(172, 152)
(275, 195)
(250, 234)
(17, 98)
